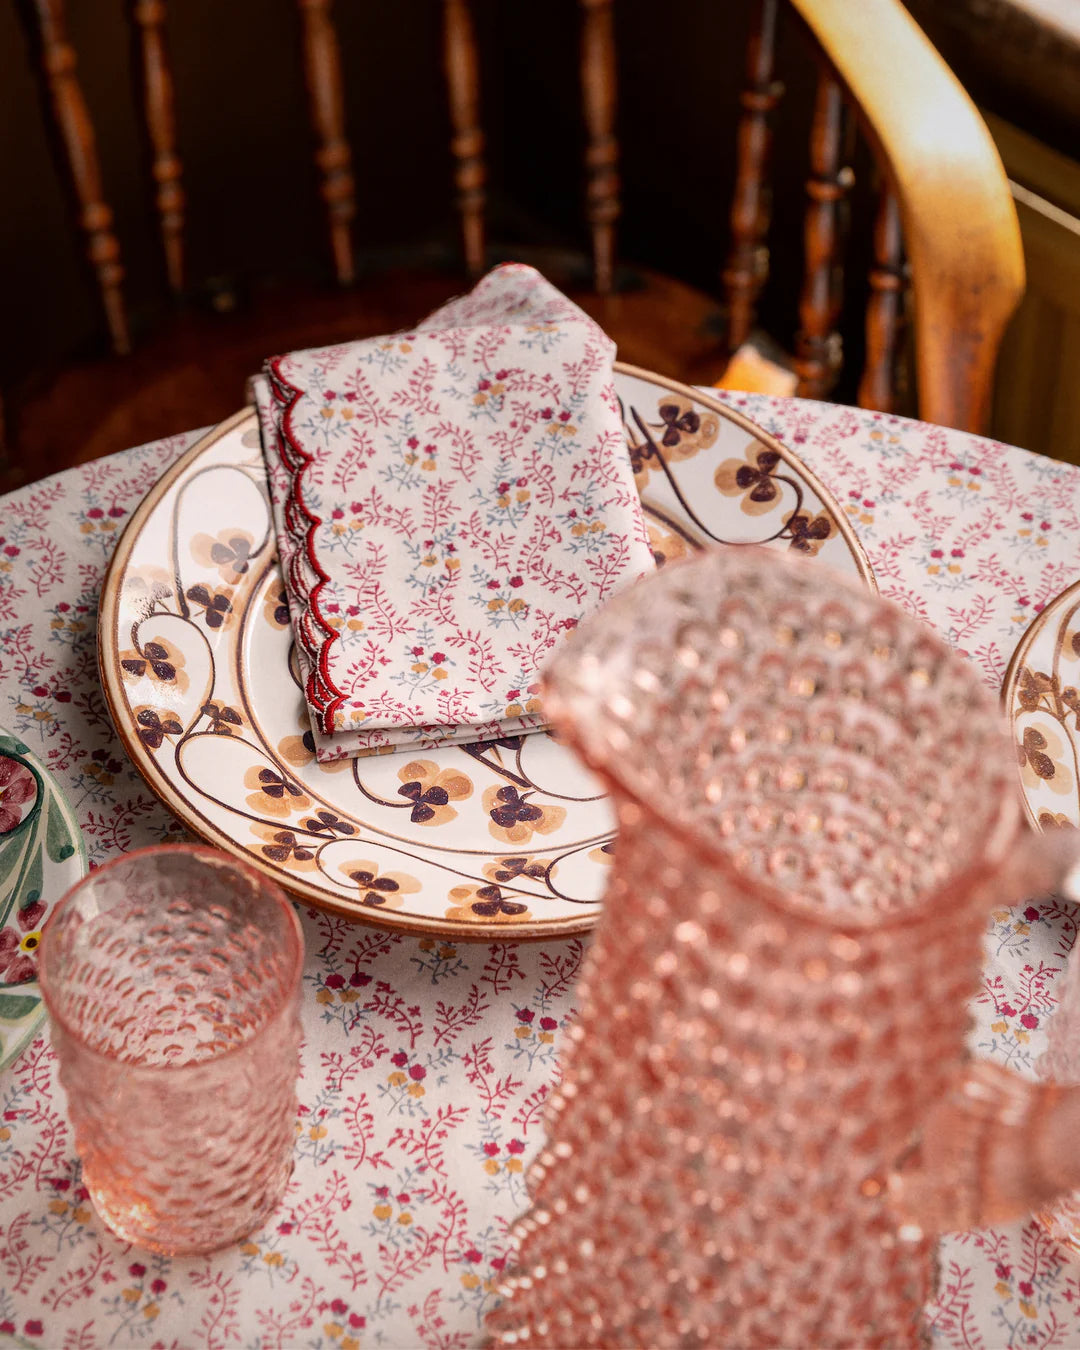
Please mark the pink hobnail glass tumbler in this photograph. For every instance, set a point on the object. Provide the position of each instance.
(767, 1109)
(171, 978)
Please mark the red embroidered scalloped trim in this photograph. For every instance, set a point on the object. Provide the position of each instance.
(302, 522)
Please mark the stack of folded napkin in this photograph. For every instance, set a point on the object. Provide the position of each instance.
(448, 503)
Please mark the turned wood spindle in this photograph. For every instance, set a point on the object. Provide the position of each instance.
(80, 149)
(322, 68)
(602, 149)
(161, 126)
(817, 346)
(748, 261)
(877, 388)
(467, 141)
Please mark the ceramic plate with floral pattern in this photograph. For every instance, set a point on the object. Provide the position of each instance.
(41, 857)
(1042, 698)
(508, 839)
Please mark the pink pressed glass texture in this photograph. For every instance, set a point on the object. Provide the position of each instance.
(1061, 1063)
(171, 978)
(812, 795)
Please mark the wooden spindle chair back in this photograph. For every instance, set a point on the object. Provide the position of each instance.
(944, 192)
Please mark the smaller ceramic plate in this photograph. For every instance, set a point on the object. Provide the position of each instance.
(41, 857)
(1042, 700)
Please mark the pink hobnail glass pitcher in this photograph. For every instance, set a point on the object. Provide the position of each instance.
(767, 1111)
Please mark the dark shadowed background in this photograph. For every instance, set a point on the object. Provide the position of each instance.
(254, 217)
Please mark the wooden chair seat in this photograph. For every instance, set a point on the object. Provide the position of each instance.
(943, 193)
(193, 371)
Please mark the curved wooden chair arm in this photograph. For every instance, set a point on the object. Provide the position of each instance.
(960, 226)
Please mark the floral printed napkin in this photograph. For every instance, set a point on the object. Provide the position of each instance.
(448, 503)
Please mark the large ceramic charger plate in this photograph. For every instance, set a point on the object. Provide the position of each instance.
(196, 662)
(1041, 694)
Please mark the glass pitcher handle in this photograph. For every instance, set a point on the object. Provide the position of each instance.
(1040, 864)
(996, 1148)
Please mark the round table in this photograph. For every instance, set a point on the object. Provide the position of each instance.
(426, 1063)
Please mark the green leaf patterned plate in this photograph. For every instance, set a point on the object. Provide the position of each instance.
(41, 856)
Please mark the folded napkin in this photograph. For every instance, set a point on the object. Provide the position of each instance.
(448, 502)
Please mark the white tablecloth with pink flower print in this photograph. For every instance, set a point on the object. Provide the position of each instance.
(426, 1064)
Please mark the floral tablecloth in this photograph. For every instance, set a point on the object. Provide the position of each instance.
(427, 1063)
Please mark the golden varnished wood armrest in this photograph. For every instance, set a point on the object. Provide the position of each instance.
(960, 226)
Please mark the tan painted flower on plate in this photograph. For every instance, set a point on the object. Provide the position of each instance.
(229, 551)
(285, 847)
(299, 751)
(431, 789)
(809, 532)
(276, 607)
(1031, 687)
(1034, 689)
(515, 816)
(146, 589)
(683, 429)
(275, 794)
(486, 904)
(223, 720)
(1042, 757)
(215, 607)
(751, 479)
(1054, 820)
(155, 659)
(504, 871)
(154, 725)
(375, 889)
(687, 427)
(666, 545)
